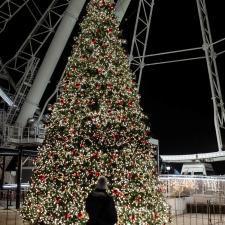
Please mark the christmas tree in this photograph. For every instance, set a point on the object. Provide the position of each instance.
(97, 127)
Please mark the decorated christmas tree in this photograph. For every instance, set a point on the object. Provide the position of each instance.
(97, 127)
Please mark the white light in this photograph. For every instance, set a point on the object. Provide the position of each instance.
(168, 168)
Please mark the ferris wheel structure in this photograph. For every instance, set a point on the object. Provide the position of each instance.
(33, 74)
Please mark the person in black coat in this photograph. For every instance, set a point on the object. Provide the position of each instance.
(100, 205)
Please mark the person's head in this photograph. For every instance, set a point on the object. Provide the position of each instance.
(102, 183)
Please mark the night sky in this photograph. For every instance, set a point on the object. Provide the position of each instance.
(176, 97)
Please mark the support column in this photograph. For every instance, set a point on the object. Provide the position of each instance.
(140, 38)
(18, 179)
(218, 105)
(50, 61)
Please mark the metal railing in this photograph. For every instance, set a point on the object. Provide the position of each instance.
(27, 135)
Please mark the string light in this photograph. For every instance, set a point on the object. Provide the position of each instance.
(97, 127)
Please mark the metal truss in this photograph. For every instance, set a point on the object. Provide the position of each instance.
(218, 105)
(4, 75)
(36, 39)
(139, 59)
(24, 62)
(205, 157)
(140, 37)
(23, 90)
(8, 9)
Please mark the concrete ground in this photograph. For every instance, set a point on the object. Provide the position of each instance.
(12, 217)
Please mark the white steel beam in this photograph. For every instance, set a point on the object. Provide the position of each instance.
(121, 8)
(6, 98)
(50, 61)
(218, 105)
(207, 157)
(140, 37)
(4, 75)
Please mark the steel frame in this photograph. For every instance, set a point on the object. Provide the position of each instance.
(140, 37)
(36, 39)
(8, 9)
(25, 61)
(218, 105)
(138, 56)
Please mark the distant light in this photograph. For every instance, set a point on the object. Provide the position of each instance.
(167, 168)
(31, 120)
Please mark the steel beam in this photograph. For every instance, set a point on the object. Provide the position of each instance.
(140, 37)
(121, 8)
(218, 105)
(50, 61)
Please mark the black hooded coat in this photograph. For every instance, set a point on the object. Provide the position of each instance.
(101, 208)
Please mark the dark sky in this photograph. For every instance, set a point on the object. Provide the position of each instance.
(176, 97)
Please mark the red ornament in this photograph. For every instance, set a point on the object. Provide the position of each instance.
(113, 156)
(110, 30)
(130, 103)
(69, 74)
(104, 45)
(65, 119)
(97, 174)
(95, 155)
(68, 216)
(129, 90)
(98, 86)
(62, 101)
(101, 3)
(77, 85)
(109, 86)
(93, 41)
(112, 5)
(74, 153)
(132, 218)
(80, 215)
(155, 215)
(97, 30)
(81, 145)
(58, 200)
(90, 172)
(129, 175)
(119, 102)
(71, 130)
(65, 88)
(42, 178)
(99, 70)
(117, 192)
(76, 174)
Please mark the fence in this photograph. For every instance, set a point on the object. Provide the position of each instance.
(181, 185)
(195, 200)
(27, 135)
(192, 200)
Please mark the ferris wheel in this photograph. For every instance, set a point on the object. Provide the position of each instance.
(33, 73)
